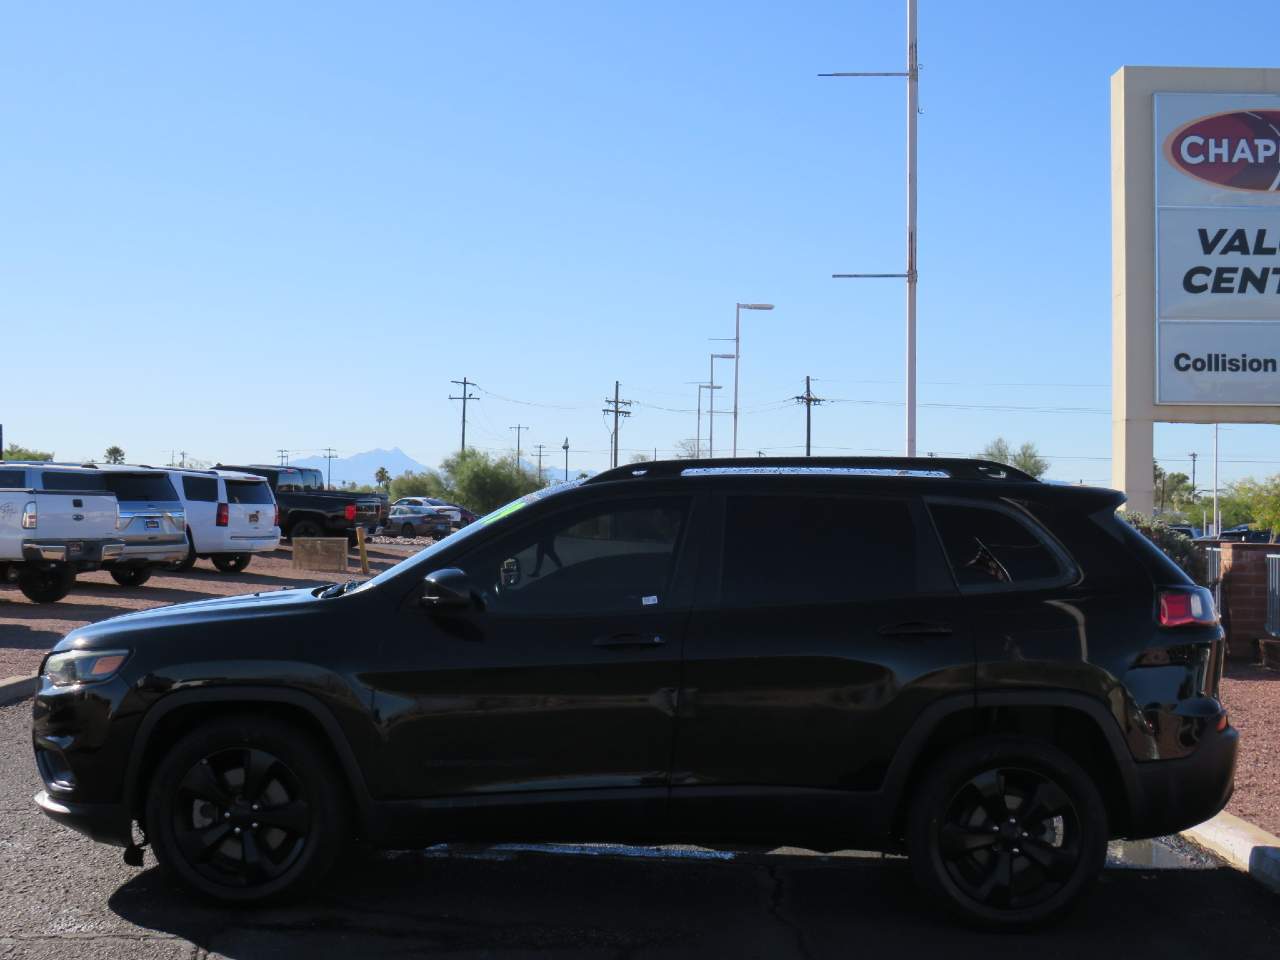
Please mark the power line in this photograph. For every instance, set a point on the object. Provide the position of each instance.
(466, 395)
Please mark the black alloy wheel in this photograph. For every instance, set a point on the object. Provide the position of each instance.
(134, 576)
(246, 809)
(231, 562)
(407, 530)
(46, 586)
(1008, 832)
(305, 528)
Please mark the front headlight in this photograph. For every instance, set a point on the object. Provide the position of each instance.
(83, 666)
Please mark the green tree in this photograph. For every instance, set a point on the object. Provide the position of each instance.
(411, 484)
(383, 479)
(114, 454)
(482, 483)
(1026, 458)
(15, 452)
(1177, 546)
(687, 449)
(1263, 500)
(1173, 492)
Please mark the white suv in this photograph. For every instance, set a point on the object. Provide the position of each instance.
(230, 517)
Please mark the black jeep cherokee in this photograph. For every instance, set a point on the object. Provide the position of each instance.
(942, 657)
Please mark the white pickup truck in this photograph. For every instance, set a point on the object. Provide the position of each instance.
(46, 537)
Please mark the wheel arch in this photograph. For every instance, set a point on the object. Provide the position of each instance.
(179, 713)
(1075, 723)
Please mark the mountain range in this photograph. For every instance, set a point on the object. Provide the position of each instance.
(360, 468)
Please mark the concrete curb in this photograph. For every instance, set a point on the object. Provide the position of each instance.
(13, 689)
(1244, 846)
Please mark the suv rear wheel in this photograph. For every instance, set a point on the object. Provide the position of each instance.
(46, 586)
(231, 562)
(246, 808)
(131, 576)
(306, 528)
(1007, 832)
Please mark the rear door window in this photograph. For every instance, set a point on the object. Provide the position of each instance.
(817, 549)
(141, 487)
(248, 491)
(994, 548)
(71, 480)
(202, 489)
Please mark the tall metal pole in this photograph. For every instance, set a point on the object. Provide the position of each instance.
(1217, 517)
(808, 417)
(737, 361)
(711, 412)
(566, 459)
(913, 111)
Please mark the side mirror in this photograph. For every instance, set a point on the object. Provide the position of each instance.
(449, 588)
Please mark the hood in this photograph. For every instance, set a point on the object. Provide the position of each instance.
(255, 605)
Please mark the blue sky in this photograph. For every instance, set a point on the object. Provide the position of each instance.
(237, 227)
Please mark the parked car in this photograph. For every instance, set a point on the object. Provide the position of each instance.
(307, 509)
(230, 517)
(410, 521)
(458, 516)
(47, 537)
(150, 521)
(944, 658)
(1244, 533)
(1186, 530)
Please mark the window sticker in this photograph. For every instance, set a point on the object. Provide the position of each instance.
(649, 601)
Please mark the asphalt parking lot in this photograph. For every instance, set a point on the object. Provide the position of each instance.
(63, 896)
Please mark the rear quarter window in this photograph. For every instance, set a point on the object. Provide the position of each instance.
(141, 487)
(203, 489)
(13, 478)
(71, 480)
(993, 548)
(249, 492)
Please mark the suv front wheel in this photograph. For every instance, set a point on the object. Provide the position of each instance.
(1007, 832)
(246, 808)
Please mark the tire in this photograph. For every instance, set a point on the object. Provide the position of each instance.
(305, 528)
(246, 809)
(1007, 833)
(46, 586)
(407, 531)
(131, 576)
(189, 561)
(231, 562)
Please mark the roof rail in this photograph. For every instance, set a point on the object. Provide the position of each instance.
(945, 468)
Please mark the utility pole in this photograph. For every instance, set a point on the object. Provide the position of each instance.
(284, 457)
(329, 454)
(912, 74)
(183, 454)
(518, 428)
(540, 448)
(808, 399)
(615, 407)
(464, 383)
(566, 459)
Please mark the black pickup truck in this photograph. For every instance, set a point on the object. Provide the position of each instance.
(307, 509)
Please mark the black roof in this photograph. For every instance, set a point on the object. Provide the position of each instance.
(937, 468)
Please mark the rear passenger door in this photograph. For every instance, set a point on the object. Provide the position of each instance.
(200, 498)
(829, 624)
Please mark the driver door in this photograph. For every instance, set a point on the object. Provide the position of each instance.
(560, 681)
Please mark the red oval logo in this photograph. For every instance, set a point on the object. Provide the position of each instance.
(1239, 150)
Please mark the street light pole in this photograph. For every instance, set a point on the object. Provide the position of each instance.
(711, 403)
(737, 358)
(566, 459)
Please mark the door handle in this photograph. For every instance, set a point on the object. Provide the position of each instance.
(916, 628)
(628, 640)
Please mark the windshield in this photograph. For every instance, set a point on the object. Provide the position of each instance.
(424, 559)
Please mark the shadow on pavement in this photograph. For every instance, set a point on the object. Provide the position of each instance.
(496, 903)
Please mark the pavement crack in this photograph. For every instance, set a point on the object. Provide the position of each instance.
(777, 892)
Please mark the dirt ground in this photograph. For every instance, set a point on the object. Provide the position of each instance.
(27, 630)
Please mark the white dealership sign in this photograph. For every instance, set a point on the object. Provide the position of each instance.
(1217, 233)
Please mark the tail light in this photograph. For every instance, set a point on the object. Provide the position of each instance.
(29, 516)
(350, 511)
(224, 516)
(277, 520)
(1191, 606)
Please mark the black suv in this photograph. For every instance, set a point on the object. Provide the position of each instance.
(939, 657)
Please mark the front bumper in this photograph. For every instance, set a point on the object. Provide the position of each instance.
(103, 822)
(1176, 794)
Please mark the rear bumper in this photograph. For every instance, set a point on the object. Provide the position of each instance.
(103, 822)
(72, 551)
(1176, 794)
(154, 551)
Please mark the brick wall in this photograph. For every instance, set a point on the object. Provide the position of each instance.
(1244, 596)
